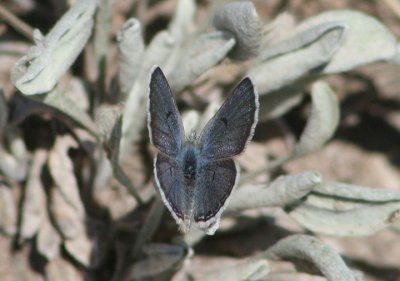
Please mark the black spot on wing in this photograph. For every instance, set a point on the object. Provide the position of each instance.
(225, 121)
(168, 114)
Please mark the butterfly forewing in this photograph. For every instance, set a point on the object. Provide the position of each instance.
(215, 181)
(164, 123)
(227, 133)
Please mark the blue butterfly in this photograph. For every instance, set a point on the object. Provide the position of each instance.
(195, 177)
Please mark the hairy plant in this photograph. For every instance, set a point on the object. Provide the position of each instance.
(97, 125)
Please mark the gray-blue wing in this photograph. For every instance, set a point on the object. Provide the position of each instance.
(215, 182)
(227, 133)
(164, 122)
(169, 179)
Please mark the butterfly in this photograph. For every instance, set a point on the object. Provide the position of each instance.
(195, 177)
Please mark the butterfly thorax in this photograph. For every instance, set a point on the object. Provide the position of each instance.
(189, 163)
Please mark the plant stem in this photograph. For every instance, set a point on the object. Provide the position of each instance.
(16, 23)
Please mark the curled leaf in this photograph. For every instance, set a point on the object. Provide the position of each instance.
(48, 240)
(157, 53)
(276, 103)
(80, 248)
(358, 222)
(295, 57)
(66, 206)
(114, 145)
(323, 120)
(61, 100)
(283, 191)
(277, 30)
(106, 117)
(8, 211)
(101, 33)
(205, 52)
(130, 52)
(304, 37)
(249, 270)
(33, 206)
(241, 20)
(182, 22)
(11, 166)
(347, 210)
(357, 193)
(62, 171)
(367, 39)
(161, 260)
(135, 112)
(14, 160)
(67, 220)
(309, 249)
(39, 70)
(181, 29)
(149, 227)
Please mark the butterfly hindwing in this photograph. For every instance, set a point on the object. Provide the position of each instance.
(228, 132)
(215, 182)
(164, 122)
(168, 175)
